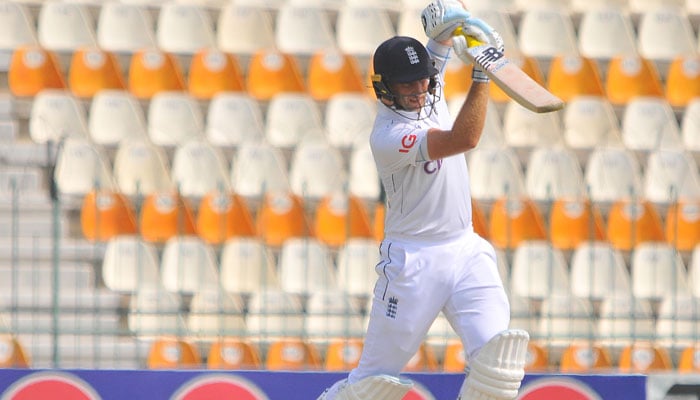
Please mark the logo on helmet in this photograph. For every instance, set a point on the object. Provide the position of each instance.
(412, 55)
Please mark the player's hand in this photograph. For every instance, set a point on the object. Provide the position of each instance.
(472, 38)
(441, 17)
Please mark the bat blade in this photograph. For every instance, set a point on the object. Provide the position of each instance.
(514, 81)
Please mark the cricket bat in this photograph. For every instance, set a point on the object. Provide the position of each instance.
(509, 77)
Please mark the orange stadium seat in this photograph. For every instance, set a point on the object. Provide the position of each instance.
(479, 220)
(93, 69)
(515, 220)
(631, 76)
(423, 361)
(683, 225)
(454, 359)
(338, 217)
(164, 215)
(689, 361)
(643, 357)
(571, 76)
(530, 66)
(378, 221)
(152, 71)
(573, 221)
(537, 358)
(292, 354)
(281, 216)
(13, 354)
(271, 72)
(343, 354)
(221, 216)
(331, 72)
(683, 80)
(170, 352)
(33, 69)
(458, 79)
(105, 214)
(233, 353)
(633, 222)
(584, 357)
(211, 72)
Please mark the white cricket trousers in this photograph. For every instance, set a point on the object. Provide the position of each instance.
(416, 281)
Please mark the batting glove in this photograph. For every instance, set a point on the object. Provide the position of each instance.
(441, 17)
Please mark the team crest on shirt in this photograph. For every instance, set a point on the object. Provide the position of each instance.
(392, 307)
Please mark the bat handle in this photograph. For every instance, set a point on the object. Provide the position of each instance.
(471, 40)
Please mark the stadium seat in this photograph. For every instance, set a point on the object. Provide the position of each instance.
(316, 170)
(458, 79)
(409, 21)
(612, 174)
(538, 271)
(606, 32)
(92, 70)
(33, 69)
(355, 262)
(546, 32)
(115, 115)
(17, 28)
(624, 320)
(151, 71)
(360, 29)
(56, 114)
(537, 359)
(649, 123)
(339, 217)
(343, 354)
(571, 76)
(670, 176)
(363, 179)
(258, 168)
(271, 72)
(632, 222)
(599, 271)
(301, 30)
(223, 215)
(232, 119)
(423, 361)
(499, 18)
(174, 118)
(525, 130)
(140, 168)
(171, 352)
(292, 354)
(564, 319)
(573, 221)
(514, 220)
(164, 215)
(188, 265)
(683, 81)
(247, 266)
(523, 312)
(495, 172)
(243, 29)
(630, 76)
(130, 263)
(154, 311)
(590, 122)
(105, 214)
(439, 336)
(677, 323)
(331, 72)
(215, 313)
(479, 220)
(306, 266)
(638, 7)
(274, 314)
(184, 29)
(64, 26)
(664, 33)
(378, 221)
(348, 119)
(281, 216)
(211, 72)
(199, 168)
(80, 168)
(233, 353)
(454, 359)
(682, 225)
(553, 172)
(292, 118)
(657, 271)
(690, 128)
(688, 361)
(644, 357)
(14, 354)
(332, 314)
(125, 28)
(585, 357)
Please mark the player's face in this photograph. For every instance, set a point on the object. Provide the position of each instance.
(411, 95)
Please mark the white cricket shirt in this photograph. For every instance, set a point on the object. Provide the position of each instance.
(427, 200)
